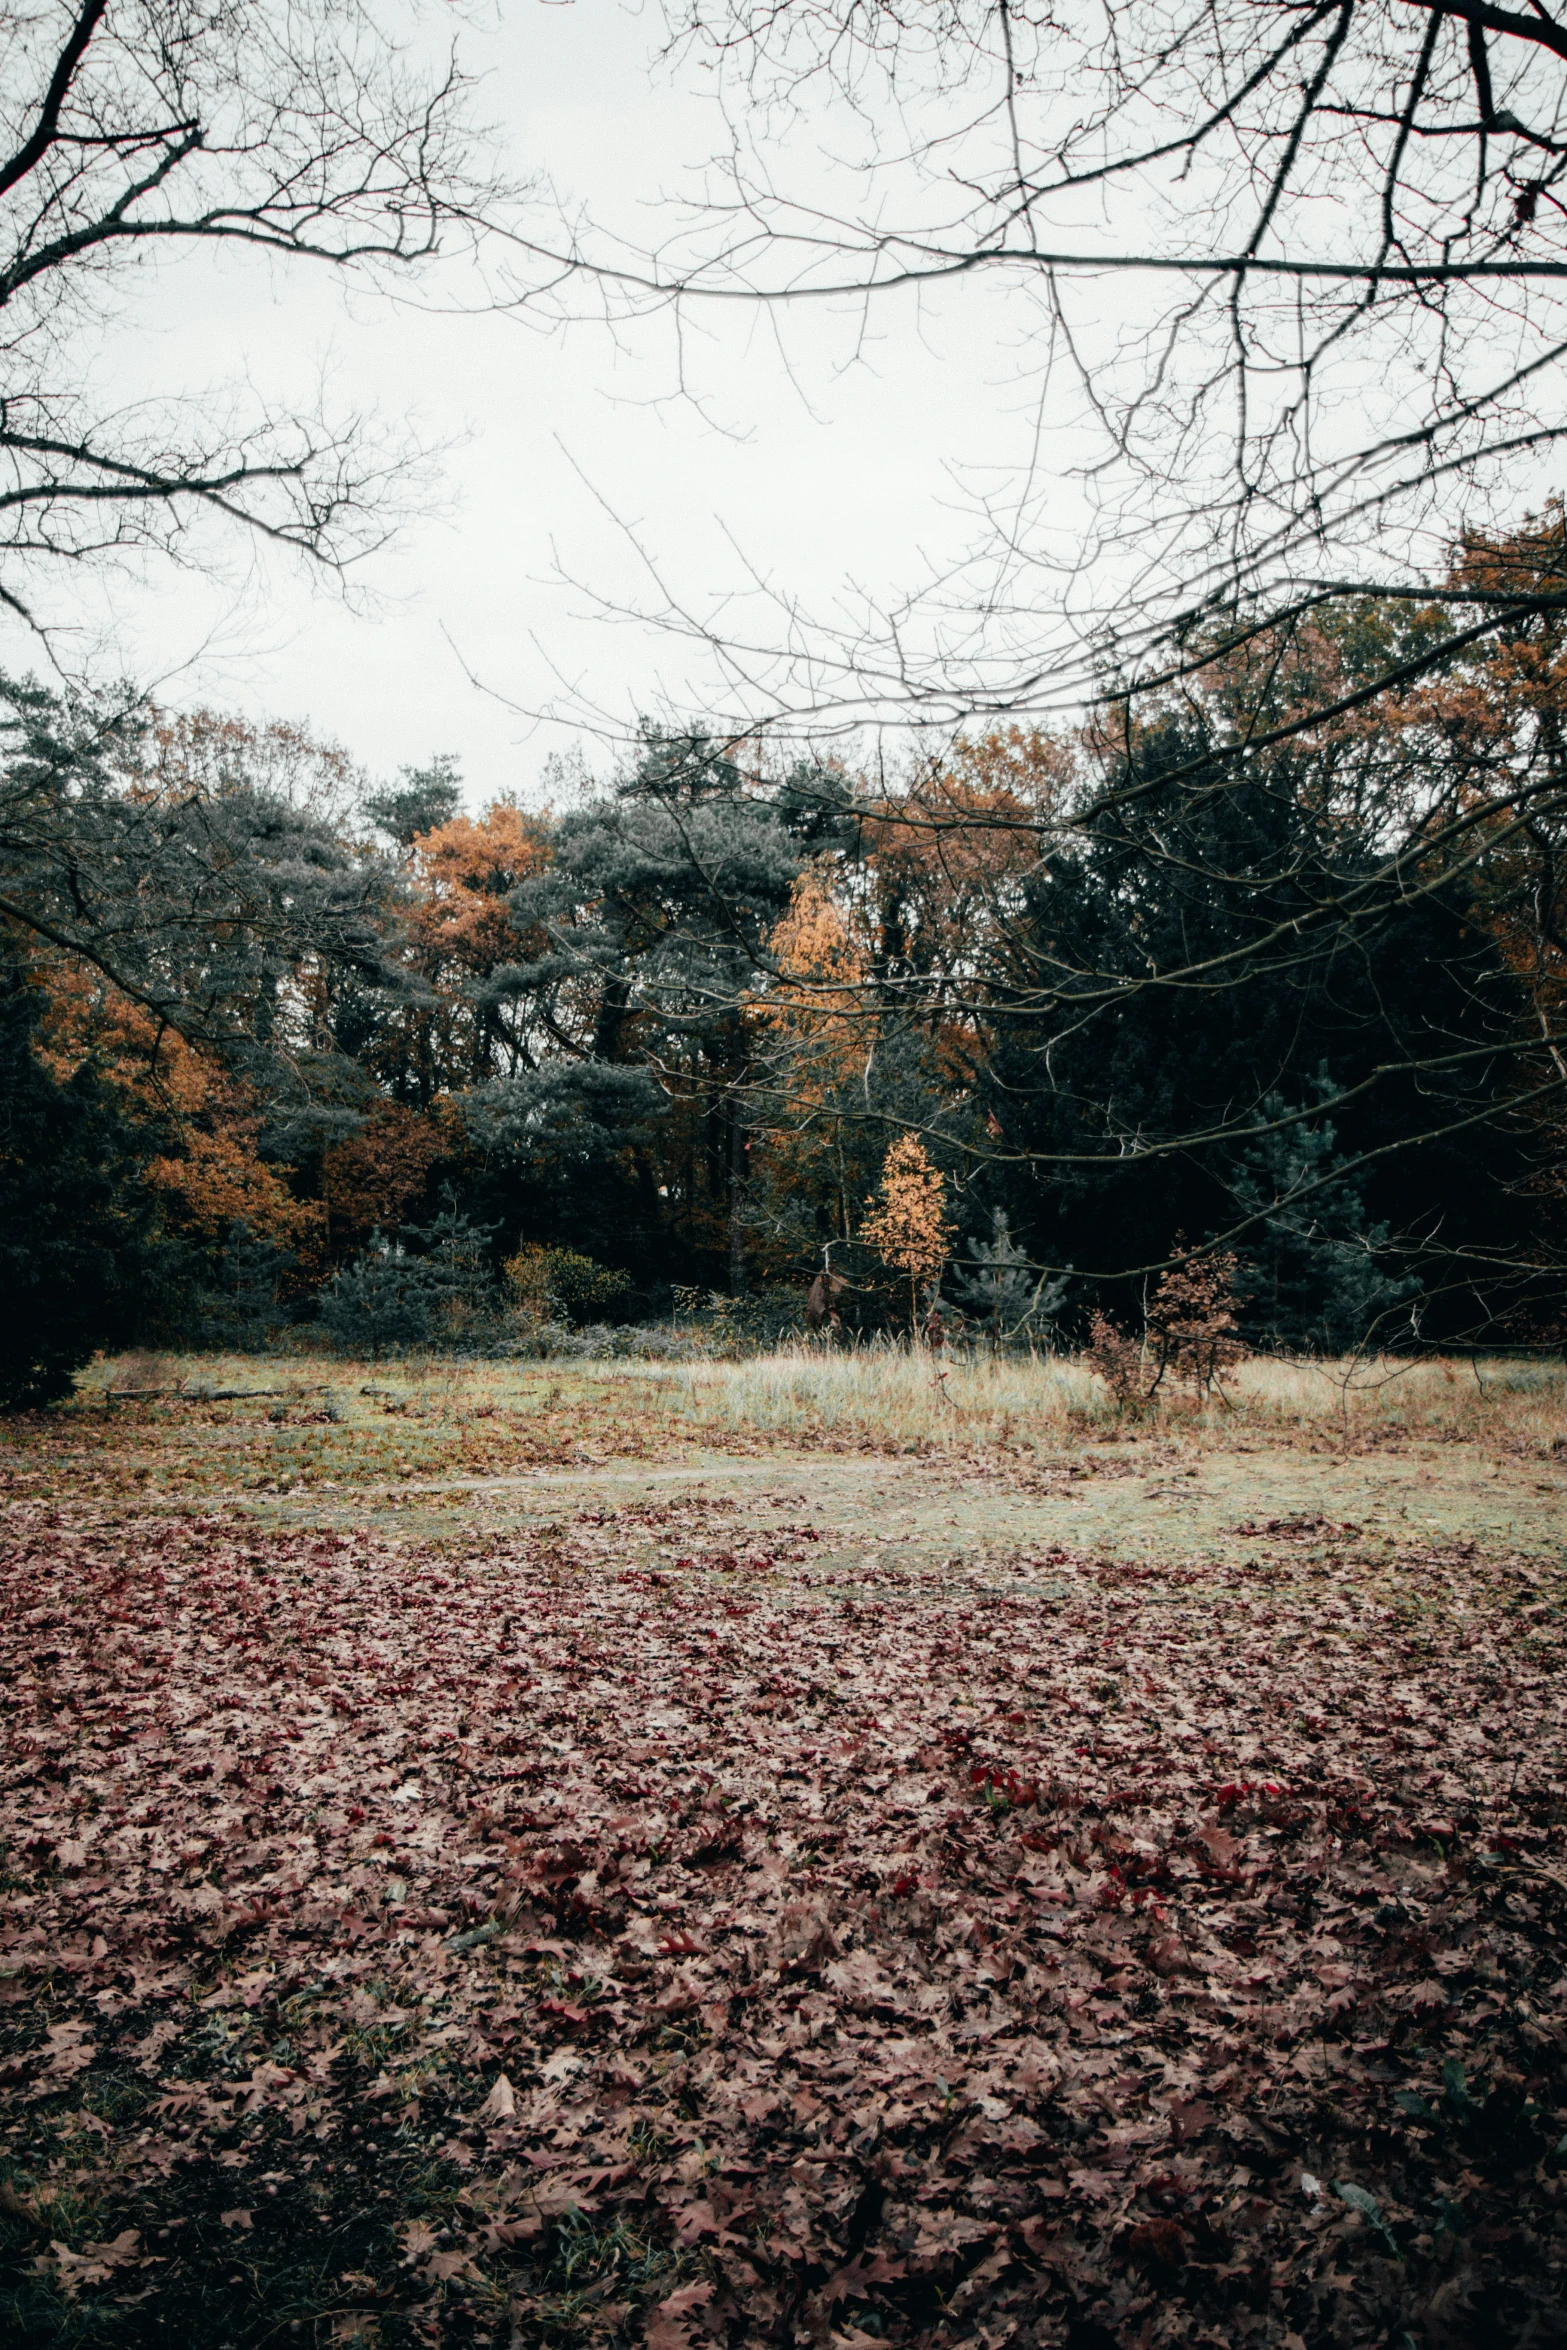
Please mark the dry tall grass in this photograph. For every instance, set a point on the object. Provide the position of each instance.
(965, 1400)
(886, 1396)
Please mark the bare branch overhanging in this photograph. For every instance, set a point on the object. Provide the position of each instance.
(1371, 193)
(137, 129)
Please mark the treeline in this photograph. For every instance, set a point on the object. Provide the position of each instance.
(1215, 972)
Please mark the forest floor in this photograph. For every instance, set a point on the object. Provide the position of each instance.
(553, 1856)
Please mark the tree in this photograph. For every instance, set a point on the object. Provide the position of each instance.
(1001, 1286)
(134, 130)
(1314, 1270)
(1201, 937)
(219, 907)
(243, 1306)
(1336, 236)
(81, 1254)
(384, 1299)
(647, 930)
(426, 799)
(208, 1170)
(462, 875)
(373, 1177)
(907, 1226)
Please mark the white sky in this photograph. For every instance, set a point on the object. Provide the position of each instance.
(845, 471)
(837, 467)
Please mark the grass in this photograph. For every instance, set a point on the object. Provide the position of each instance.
(872, 1394)
(440, 1446)
(882, 1395)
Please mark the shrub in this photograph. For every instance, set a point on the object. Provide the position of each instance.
(1120, 1362)
(555, 1284)
(1192, 1321)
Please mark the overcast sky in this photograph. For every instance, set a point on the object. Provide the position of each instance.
(839, 466)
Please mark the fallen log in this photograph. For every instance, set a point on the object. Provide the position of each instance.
(203, 1394)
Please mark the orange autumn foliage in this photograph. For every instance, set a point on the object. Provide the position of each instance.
(371, 1179)
(212, 1174)
(464, 871)
(907, 1225)
(945, 856)
(819, 990)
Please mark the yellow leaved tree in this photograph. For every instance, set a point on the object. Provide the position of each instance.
(907, 1226)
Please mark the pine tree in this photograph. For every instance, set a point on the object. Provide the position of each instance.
(1312, 1270)
(244, 1307)
(1004, 1289)
(385, 1298)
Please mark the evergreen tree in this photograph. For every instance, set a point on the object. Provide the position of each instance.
(244, 1307)
(1173, 972)
(1311, 1279)
(81, 1256)
(1003, 1289)
(385, 1299)
(651, 926)
(426, 798)
(456, 1254)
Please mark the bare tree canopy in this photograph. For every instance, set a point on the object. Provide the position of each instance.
(1287, 282)
(134, 130)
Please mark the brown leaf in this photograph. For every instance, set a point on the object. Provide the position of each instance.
(15, 2206)
(501, 2103)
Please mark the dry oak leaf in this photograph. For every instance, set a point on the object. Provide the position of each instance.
(666, 2326)
(239, 2217)
(501, 2103)
(442, 2266)
(667, 2333)
(697, 2220)
(860, 1980)
(943, 2232)
(686, 2298)
(93, 2265)
(71, 2050)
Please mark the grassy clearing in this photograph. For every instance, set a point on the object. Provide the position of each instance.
(875, 1395)
(941, 1455)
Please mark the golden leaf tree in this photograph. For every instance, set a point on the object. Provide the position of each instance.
(907, 1226)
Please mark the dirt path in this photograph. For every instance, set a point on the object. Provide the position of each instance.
(1145, 1503)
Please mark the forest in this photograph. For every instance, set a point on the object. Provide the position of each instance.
(1214, 977)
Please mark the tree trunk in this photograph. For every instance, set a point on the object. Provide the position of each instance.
(737, 1149)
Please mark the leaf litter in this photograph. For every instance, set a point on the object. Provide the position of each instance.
(487, 1944)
